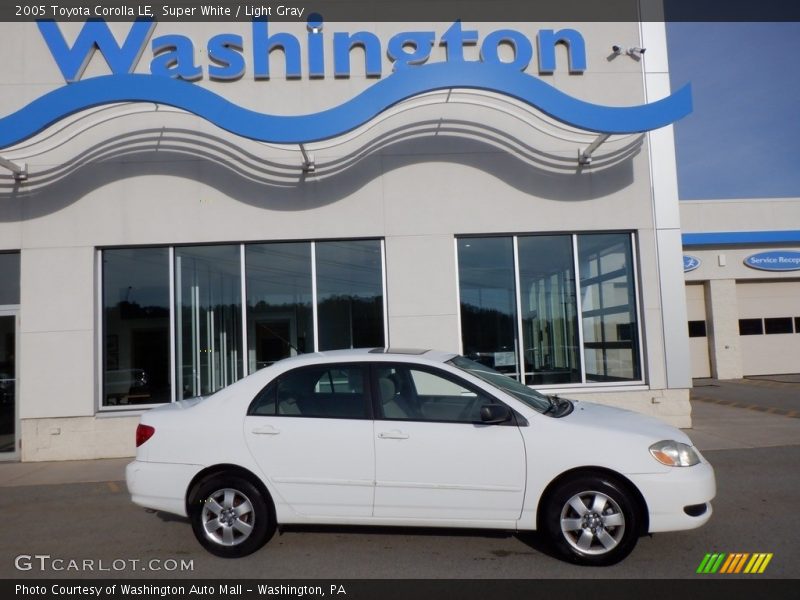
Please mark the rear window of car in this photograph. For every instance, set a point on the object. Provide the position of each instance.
(326, 391)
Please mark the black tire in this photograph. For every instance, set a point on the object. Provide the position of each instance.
(601, 520)
(230, 516)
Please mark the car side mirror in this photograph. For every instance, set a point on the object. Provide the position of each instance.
(494, 414)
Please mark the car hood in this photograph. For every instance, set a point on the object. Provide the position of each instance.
(621, 421)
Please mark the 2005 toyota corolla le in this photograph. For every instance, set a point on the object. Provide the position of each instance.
(414, 438)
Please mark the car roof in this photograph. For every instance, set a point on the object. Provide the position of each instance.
(372, 354)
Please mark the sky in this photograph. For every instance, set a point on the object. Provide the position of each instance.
(743, 138)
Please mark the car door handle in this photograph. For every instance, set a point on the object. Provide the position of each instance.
(266, 430)
(393, 435)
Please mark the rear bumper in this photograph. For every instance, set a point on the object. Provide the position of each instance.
(160, 486)
(674, 498)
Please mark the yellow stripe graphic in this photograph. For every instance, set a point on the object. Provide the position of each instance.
(755, 563)
(749, 566)
(765, 563)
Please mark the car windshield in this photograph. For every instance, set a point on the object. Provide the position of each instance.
(531, 397)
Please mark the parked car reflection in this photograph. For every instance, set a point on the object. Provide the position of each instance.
(126, 386)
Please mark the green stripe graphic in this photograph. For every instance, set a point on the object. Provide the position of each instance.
(711, 563)
(718, 564)
(702, 566)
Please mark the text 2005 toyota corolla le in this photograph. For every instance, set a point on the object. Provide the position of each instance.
(414, 438)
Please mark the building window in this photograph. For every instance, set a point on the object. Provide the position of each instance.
(280, 319)
(208, 296)
(797, 324)
(488, 302)
(136, 318)
(209, 322)
(610, 330)
(750, 327)
(548, 303)
(697, 329)
(9, 278)
(538, 272)
(778, 325)
(349, 294)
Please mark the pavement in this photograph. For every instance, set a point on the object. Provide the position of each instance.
(762, 412)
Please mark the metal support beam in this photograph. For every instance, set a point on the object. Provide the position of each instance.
(585, 156)
(20, 171)
(308, 160)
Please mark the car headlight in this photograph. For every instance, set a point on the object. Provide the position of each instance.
(674, 454)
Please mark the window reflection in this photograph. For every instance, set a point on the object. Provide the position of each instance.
(136, 326)
(8, 382)
(488, 303)
(279, 314)
(208, 295)
(549, 310)
(610, 330)
(349, 294)
(207, 312)
(9, 278)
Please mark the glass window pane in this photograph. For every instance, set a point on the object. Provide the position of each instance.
(778, 325)
(8, 384)
(263, 405)
(610, 330)
(136, 326)
(9, 278)
(488, 302)
(208, 297)
(751, 327)
(697, 329)
(349, 294)
(412, 394)
(323, 392)
(549, 310)
(279, 313)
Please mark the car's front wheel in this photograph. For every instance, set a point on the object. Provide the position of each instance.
(592, 520)
(230, 517)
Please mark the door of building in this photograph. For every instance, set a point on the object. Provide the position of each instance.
(9, 413)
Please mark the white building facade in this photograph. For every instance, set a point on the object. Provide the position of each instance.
(159, 248)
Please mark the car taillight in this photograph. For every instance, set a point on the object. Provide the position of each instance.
(143, 433)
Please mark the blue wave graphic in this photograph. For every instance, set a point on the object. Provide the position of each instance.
(399, 86)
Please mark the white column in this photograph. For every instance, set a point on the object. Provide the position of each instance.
(722, 310)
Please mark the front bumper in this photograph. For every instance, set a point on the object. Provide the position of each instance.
(668, 495)
(160, 486)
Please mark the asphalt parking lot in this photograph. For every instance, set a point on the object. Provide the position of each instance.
(81, 510)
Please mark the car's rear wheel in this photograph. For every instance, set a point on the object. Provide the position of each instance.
(230, 516)
(592, 520)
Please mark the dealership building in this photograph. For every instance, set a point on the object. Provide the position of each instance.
(182, 204)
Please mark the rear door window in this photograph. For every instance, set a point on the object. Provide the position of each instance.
(328, 391)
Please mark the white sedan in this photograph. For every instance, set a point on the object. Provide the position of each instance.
(414, 438)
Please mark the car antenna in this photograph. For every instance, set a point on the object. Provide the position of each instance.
(281, 338)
